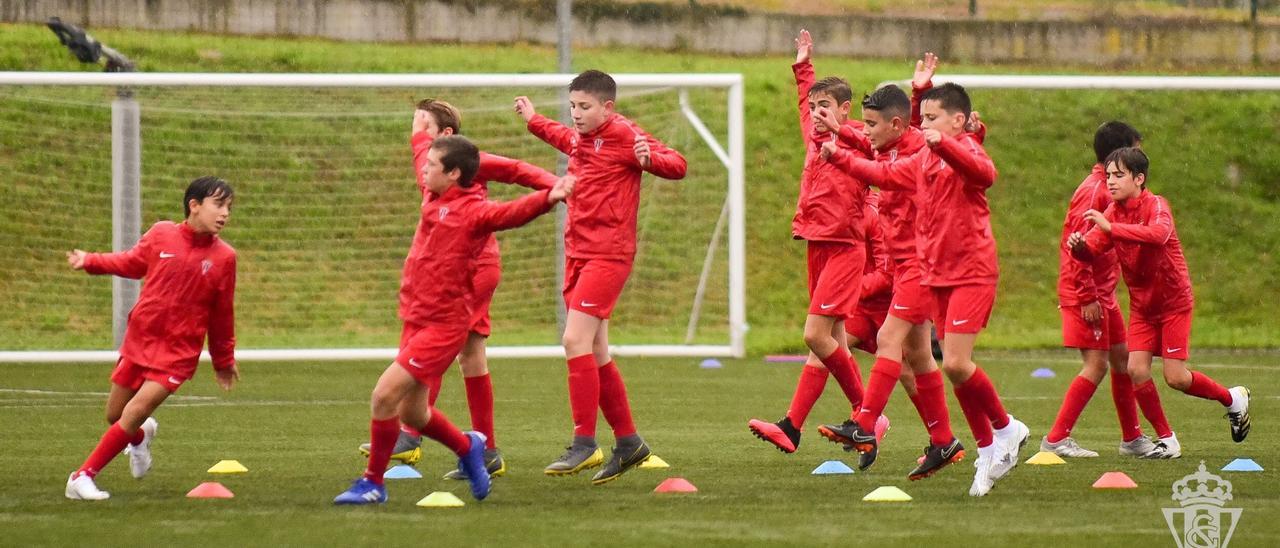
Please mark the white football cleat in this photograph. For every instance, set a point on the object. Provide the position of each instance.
(1066, 447)
(140, 455)
(81, 487)
(982, 482)
(1137, 447)
(1166, 448)
(1008, 443)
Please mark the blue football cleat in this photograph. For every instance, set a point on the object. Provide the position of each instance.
(363, 491)
(473, 465)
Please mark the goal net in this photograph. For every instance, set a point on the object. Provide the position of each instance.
(326, 206)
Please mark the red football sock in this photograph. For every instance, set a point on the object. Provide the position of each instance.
(841, 365)
(613, 400)
(989, 397)
(975, 410)
(382, 439)
(884, 376)
(1149, 400)
(933, 400)
(1073, 403)
(480, 403)
(433, 389)
(584, 394)
(138, 437)
(1126, 406)
(111, 444)
(440, 429)
(1204, 387)
(808, 389)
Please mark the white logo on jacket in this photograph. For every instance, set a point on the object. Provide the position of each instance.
(599, 142)
(205, 265)
(443, 212)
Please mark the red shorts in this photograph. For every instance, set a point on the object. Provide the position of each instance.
(427, 352)
(1076, 333)
(835, 278)
(131, 375)
(592, 286)
(482, 288)
(865, 325)
(963, 308)
(1167, 336)
(912, 301)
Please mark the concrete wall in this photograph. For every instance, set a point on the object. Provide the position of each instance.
(684, 27)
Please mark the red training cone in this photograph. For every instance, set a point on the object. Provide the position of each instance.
(210, 490)
(1115, 480)
(675, 485)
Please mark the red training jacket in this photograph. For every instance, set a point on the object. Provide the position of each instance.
(492, 168)
(606, 197)
(953, 219)
(1080, 282)
(830, 204)
(189, 291)
(455, 227)
(1146, 244)
(877, 274)
(897, 207)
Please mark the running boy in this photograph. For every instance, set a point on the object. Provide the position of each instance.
(1091, 318)
(829, 219)
(189, 293)
(1139, 227)
(456, 224)
(608, 154)
(431, 120)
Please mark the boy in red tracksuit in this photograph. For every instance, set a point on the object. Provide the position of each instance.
(189, 293)
(958, 259)
(1091, 317)
(905, 335)
(434, 119)
(608, 153)
(829, 219)
(437, 308)
(1139, 227)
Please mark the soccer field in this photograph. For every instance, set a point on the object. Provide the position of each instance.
(296, 427)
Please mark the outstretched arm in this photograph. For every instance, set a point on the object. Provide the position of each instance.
(900, 174)
(966, 158)
(495, 216)
(126, 264)
(1156, 231)
(507, 170)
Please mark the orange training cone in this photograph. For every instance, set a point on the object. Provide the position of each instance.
(210, 490)
(675, 485)
(1115, 480)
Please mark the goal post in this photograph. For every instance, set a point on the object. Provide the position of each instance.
(326, 206)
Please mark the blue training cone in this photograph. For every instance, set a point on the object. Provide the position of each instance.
(402, 471)
(832, 467)
(1043, 373)
(1242, 465)
(710, 363)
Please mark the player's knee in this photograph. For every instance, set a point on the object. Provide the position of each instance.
(1093, 371)
(1177, 382)
(817, 338)
(576, 343)
(383, 402)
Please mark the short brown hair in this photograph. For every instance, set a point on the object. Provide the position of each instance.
(445, 114)
(457, 152)
(1131, 159)
(834, 86)
(597, 83)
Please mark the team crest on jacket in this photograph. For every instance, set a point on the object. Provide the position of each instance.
(443, 212)
(893, 155)
(205, 265)
(599, 142)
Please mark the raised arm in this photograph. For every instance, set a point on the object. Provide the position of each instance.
(968, 160)
(222, 322)
(1156, 231)
(922, 81)
(507, 170)
(125, 264)
(421, 143)
(551, 131)
(803, 70)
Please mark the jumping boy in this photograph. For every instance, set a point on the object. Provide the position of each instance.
(1091, 317)
(189, 293)
(1138, 225)
(829, 219)
(433, 119)
(958, 254)
(456, 224)
(608, 154)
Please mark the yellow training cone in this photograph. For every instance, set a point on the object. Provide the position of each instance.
(441, 499)
(1045, 458)
(228, 467)
(654, 461)
(887, 493)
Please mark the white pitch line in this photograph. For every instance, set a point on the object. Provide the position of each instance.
(87, 394)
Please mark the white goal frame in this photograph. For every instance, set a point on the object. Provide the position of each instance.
(732, 216)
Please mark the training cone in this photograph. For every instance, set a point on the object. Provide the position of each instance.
(711, 363)
(210, 490)
(1045, 458)
(832, 467)
(1242, 465)
(675, 485)
(402, 471)
(887, 493)
(441, 499)
(228, 467)
(654, 461)
(1043, 373)
(1115, 480)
